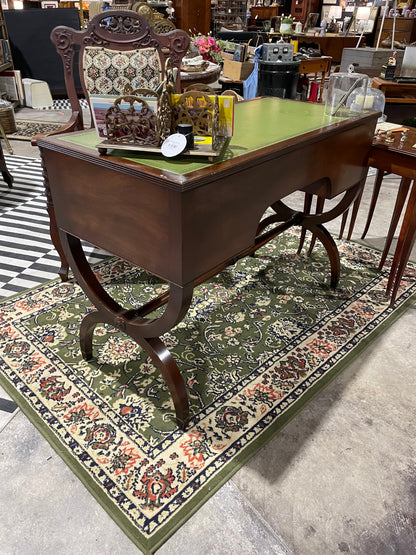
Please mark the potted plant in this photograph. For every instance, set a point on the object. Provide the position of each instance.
(286, 24)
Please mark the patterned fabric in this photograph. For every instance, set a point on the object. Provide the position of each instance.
(26, 129)
(108, 71)
(258, 341)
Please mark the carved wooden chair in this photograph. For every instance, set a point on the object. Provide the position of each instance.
(317, 70)
(118, 48)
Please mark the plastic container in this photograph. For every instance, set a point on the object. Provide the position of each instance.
(278, 79)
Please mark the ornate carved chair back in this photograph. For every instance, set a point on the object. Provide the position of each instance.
(119, 47)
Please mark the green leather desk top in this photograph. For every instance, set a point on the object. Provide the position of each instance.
(257, 124)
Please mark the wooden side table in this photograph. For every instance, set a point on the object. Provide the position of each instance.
(210, 75)
(331, 44)
(398, 157)
(396, 93)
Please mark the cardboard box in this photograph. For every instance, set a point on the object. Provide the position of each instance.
(237, 71)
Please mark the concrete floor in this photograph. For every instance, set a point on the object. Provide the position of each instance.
(339, 478)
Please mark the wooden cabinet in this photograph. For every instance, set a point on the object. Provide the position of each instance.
(229, 14)
(405, 30)
(301, 8)
(262, 12)
(193, 16)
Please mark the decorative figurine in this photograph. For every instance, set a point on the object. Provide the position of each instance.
(170, 10)
(324, 25)
(389, 137)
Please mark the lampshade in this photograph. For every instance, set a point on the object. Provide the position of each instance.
(363, 13)
(335, 11)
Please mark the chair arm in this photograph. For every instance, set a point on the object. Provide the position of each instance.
(73, 124)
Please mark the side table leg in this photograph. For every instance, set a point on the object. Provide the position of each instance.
(398, 207)
(404, 246)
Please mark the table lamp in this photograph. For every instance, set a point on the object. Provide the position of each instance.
(362, 16)
(335, 12)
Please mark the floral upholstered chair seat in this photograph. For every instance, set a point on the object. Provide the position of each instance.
(109, 71)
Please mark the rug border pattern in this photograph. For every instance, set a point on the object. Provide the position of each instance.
(264, 428)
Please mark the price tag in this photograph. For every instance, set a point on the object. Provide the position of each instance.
(173, 145)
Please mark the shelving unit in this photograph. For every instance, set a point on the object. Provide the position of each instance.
(405, 29)
(4, 64)
(261, 13)
(230, 14)
(301, 8)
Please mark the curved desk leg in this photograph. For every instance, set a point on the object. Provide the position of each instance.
(354, 212)
(332, 251)
(355, 207)
(320, 203)
(145, 331)
(314, 223)
(53, 228)
(54, 233)
(306, 210)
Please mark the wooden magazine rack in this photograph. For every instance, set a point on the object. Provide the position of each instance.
(142, 119)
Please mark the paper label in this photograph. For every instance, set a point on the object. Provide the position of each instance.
(173, 145)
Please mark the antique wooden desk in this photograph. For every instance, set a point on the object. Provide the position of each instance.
(185, 220)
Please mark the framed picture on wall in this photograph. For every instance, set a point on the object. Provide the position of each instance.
(311, 21)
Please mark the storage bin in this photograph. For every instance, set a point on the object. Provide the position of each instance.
(7, 119)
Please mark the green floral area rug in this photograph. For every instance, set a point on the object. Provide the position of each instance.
(259, 340)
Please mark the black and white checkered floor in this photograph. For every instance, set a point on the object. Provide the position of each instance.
(63, 104)
(27, 256)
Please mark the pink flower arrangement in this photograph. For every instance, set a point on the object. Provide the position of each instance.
(209, 48)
